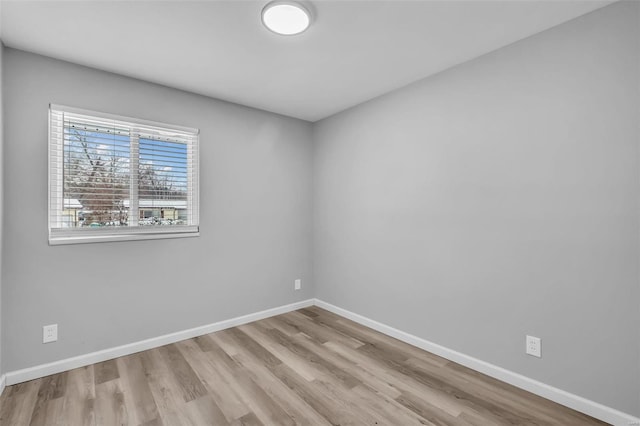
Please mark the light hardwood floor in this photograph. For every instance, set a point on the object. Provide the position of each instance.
(306, 367)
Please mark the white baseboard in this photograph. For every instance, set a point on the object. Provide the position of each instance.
(43, 370)
(578, 403)
(3, 383)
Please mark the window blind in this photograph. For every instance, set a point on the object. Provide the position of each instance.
(119, 178)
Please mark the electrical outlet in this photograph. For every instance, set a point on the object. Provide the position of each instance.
(534, 346)
(297, 285)
(49, 333)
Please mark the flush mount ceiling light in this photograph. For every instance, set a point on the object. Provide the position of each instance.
(286, 17)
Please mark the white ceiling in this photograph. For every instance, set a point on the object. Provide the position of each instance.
(354, 50)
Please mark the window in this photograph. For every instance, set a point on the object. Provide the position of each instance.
(115, 178)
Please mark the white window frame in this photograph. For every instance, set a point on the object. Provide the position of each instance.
(59, 235)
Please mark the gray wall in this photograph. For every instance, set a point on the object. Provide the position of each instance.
(2, 370)
(498, 199)
(255, 217)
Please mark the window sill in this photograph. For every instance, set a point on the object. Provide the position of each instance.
(56, 241)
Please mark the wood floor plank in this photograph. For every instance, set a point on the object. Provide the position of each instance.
(190, 384)
(248, 420)
(319, 401)
(206, 411)
(261, 404)
(137, 393)
(166, 390)
(198, 412)
(423, 408)
(105, 371)
(358, 371)
(293, 361)
(222, 392)
(316, 330)
(344, 401)
(250, 345)
(308, 312)
(389, 409)
(325, 367)
(17, 407)
(204, 342)
(51, 389)
(401, 382)
(308, 367)
(51, 414)
(154, 422)
(110, 406)
(78, 407)
(295, 407)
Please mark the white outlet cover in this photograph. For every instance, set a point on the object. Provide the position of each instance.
(50, 333)
(297, 284)
(534, 346)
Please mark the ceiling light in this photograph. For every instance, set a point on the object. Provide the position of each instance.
(286, 17)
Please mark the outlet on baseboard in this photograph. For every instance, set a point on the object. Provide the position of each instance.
(50, 333)
(297, 284)
(534, 346)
